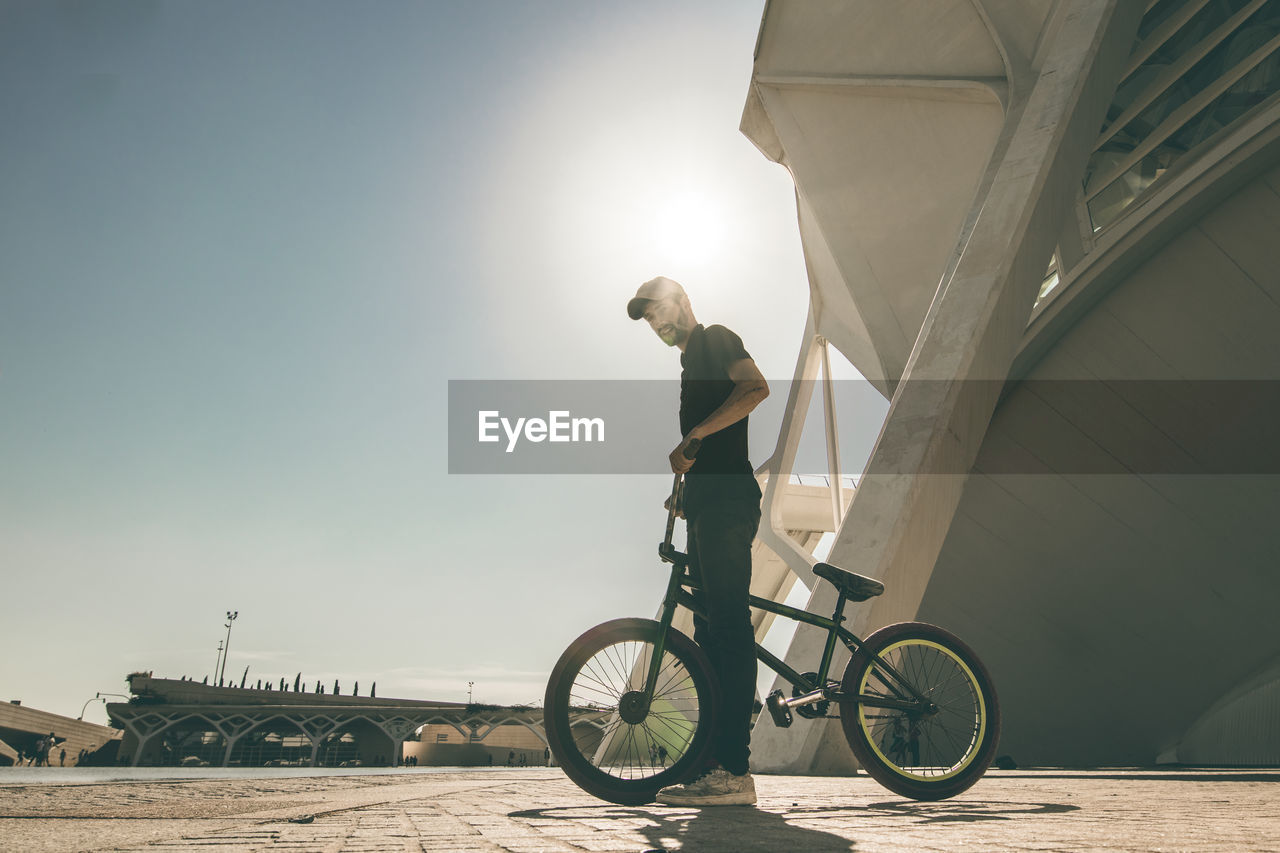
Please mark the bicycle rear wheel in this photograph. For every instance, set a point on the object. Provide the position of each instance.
(922, 755)
(602, 733)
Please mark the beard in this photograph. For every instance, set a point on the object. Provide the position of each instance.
(674, 334)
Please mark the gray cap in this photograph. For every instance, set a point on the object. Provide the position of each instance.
(652, 290)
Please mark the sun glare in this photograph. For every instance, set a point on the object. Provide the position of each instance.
(688, 229)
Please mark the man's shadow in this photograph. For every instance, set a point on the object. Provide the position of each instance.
(671, 827)
(751, 828)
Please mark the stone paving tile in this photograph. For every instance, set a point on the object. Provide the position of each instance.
(539, 811)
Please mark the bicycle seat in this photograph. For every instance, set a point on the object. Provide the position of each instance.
(854, 586)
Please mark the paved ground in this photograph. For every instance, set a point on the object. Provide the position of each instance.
(538, 809)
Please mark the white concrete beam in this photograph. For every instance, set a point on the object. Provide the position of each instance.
(905, 502)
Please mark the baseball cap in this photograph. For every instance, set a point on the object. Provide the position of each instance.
(652, 290)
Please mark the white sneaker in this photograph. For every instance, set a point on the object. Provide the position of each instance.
(716, 787)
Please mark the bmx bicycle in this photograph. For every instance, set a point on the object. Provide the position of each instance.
(631, 704)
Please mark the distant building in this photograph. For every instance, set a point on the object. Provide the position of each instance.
(85, 743)
(184, 723)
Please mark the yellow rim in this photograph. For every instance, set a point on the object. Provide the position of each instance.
(982, 714)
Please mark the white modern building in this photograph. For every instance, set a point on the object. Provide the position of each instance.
(1049, 232)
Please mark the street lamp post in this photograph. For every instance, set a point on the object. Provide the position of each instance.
(231, 617)
(85, 706)
(95, 698)
(217, 662)
(470, 684)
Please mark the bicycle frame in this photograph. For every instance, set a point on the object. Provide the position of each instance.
(907, 698)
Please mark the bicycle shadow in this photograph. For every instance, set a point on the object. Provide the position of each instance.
(750, 828)
(681, 828)
(944, 811)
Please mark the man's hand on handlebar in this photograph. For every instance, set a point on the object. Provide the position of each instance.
(679, 508)
(682, 457)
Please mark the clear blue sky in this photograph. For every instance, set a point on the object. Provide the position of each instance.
(243, 248)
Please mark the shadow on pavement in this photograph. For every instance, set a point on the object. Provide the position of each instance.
(747, 828)
(738, 828)
(1206, 775)
(964, 811)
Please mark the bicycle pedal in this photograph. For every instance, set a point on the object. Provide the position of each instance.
(778, 709)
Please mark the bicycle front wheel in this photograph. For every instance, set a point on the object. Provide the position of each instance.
(606, 736)
(928, 753)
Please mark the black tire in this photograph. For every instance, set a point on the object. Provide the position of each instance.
(616, 760)
(928, 757)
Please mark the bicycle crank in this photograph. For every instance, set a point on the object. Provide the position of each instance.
(810, 707)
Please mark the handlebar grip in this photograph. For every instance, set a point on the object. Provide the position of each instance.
(691, 449)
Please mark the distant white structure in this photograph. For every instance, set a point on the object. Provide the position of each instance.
(1049, 231)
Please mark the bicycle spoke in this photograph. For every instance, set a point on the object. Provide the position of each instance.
(595, 674)
(956, 673)
(604, 690)
(614, 656)
(675, 749)
(677, 673)
(598, 674)
(956, 754)
(675, 715)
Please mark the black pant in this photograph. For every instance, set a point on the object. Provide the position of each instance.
(720, 537)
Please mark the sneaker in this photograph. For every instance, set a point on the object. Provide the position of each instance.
(716, 787)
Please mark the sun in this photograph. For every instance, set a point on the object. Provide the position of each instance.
(687, 228)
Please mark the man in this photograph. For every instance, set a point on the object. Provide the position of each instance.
(719, 386)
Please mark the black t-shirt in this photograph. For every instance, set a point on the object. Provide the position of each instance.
(722, 470)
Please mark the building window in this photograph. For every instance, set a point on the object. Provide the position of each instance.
(1196, 68)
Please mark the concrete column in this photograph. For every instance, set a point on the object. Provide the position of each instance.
(905, 502)
(142, 745)
(226, 753)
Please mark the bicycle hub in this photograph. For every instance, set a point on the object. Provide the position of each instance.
(633, 707)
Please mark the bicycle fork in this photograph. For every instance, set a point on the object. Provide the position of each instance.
(678, 561)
